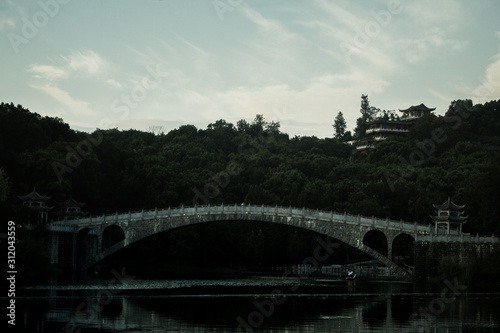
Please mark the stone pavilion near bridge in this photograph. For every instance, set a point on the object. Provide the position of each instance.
(38, 203)
(449, 219)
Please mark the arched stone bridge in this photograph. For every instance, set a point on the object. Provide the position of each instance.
(95, 238)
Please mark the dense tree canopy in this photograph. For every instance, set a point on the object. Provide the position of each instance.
(253, 162)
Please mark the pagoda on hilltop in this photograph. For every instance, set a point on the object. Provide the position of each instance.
(70, 209)
(37, 203)
(380, 129)
(449, 219)
(415, 112)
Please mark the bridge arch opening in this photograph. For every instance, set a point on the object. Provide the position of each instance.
(376, 240)
(403, 250)
(86, 246)
(112, 235)
(232, 245)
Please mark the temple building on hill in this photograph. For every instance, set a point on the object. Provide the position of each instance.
(70, 209)
(37, 203)
(449, 219)
(380, 129)
(415, 112)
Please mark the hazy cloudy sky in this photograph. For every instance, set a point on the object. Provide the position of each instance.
(134, 64)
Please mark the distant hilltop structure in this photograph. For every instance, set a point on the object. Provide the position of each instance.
(380, 129)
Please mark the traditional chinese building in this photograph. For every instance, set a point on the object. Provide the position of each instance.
(415, 112)
(70, 209)
(380, 129)
(37, 203)
(449, 219)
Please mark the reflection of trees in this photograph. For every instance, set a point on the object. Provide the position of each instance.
(357, 312)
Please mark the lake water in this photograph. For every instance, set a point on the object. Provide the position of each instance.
(264, 304)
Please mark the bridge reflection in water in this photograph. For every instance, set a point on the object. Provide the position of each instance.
(388, 307)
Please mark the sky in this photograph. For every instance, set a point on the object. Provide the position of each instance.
(163, 64)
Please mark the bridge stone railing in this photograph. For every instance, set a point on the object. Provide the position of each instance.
(463, 238)
(309, 214)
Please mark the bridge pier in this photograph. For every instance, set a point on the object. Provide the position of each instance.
(54, 248)
(459, 252)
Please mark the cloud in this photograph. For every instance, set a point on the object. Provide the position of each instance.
(427, 43)
(6, 22)
(77, 107)
(87, 62)
(48, 72)
(84, 63)
(114, 83)
(274, 42)
(490, 83)
(345, 33)
(449, 14)
(320, 99)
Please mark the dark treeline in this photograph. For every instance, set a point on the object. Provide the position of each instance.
(254, 162)
(111, 170)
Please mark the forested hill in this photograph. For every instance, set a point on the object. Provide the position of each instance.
(253, 162)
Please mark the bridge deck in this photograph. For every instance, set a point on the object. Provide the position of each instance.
(308, 214)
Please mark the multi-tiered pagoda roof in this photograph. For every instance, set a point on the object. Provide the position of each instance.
(70, 208)
(415, 112)
(37, 202)
(449, 215)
